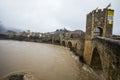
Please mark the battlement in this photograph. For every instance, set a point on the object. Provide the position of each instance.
(99, 22)
(100, 11)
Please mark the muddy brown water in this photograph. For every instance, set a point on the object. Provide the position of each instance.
(43, 61)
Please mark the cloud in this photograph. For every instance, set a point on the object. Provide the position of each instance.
(48, 15)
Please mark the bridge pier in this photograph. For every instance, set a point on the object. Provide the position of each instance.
(87, 52)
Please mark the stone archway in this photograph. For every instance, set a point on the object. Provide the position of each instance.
(98, 31)
(95, 60)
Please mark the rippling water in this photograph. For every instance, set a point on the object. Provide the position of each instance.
(44, 61)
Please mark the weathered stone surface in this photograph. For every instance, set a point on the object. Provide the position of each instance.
(102, 52)
(110, 58)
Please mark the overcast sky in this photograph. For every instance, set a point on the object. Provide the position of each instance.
(49, 15)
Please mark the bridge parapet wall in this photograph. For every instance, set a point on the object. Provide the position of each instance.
(109, 51)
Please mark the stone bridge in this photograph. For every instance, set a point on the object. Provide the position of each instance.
(75, 45)
(101, 52)
(105, 56)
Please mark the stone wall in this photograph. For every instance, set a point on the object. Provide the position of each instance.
(108, 50)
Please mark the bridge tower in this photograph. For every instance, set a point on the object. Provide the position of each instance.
(98, 23)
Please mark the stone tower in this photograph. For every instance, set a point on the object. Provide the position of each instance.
(98, 23)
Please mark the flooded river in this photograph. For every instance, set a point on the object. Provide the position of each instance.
(43, 61)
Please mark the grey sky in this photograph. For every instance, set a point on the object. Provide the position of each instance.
(48, 15)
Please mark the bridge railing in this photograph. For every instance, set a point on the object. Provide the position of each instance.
(111, 43)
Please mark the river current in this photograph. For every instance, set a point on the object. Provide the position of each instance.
(42, 61)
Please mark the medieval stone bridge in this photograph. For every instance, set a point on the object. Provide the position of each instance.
(104, 55)
(76, 46)
(96, 47)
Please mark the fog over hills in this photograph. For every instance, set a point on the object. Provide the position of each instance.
(4, 29)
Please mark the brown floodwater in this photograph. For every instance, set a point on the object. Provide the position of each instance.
(43, 61)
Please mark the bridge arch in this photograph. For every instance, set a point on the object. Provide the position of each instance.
(96, 60)
(98, 31)
(70, 45)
